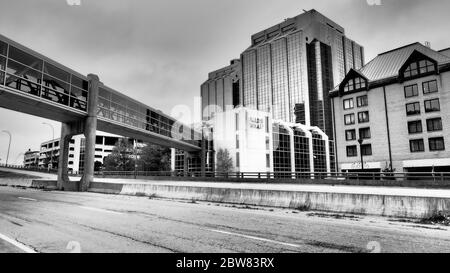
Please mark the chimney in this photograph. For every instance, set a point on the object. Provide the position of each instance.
(427, 44)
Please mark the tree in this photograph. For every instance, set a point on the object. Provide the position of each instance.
(121, 158)
(224, 161)
(154, 158)
(98, 166)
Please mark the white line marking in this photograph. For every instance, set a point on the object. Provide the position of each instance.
(29, 199)
(101, 210)
(255, 238)
(17, 244)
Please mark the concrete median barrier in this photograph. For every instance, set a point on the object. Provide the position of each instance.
(368, 204)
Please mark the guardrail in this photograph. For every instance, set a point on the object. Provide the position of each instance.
(32, 169)
(430, 176)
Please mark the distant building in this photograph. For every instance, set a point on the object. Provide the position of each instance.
(399, 105)
(258, 143)
(104, 145)
(31, 159)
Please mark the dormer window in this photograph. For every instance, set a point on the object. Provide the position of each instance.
(355, 84)
(418, 68)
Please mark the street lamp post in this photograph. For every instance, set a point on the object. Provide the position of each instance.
(53, 144)
(9, 145)
(360, 141)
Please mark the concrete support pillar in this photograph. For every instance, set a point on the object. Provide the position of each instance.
(90, 128)
(203, 159)
(67, 131)
(186, 163)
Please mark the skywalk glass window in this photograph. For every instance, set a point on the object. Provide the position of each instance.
(25, 58)
(3, 48)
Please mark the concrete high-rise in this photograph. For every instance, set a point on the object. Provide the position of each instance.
(290, 68)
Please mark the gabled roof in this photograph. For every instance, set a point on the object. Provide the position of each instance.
(387, 65)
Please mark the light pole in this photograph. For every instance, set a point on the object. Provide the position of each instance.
(53, 143)
(360, 141)
(9, 145)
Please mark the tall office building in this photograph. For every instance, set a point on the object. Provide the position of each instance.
(289, 69)
(222, 90)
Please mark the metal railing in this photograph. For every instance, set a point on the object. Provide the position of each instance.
(338, 176)
(31, 169)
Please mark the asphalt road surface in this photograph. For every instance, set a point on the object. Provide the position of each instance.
(52, 221)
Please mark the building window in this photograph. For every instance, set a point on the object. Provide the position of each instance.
(412, 109)
(352, 151)
(350, 135)
(355, 84)
(267, 124)
(429, 87)
(364, 133)
(411, 91)
(366, 149)
(363, 117)
(267, 143)
(237, 121)
(348, 104)
(268, 160)
(416, 145)
(436, 144)
(349, 119)
(434, 124)
(415, 127)
(237, 159)
(432, 105)
(362, 101)
(237, 141)
(418, 68)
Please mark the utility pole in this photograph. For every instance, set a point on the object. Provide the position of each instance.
(9, 145)
(53, 143)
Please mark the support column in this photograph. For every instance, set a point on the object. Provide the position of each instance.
(68, 130)
(90, 128)
(186, 163)
(203, 159)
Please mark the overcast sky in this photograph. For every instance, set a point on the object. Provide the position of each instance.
(160, 51)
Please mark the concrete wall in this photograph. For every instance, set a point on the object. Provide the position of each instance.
(367, 204)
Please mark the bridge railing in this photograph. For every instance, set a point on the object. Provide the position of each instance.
(274, 176)
(31, 169)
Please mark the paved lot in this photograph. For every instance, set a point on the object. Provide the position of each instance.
(44, 221)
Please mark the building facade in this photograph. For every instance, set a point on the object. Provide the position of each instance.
(31, 159)
(104, 145)
(222, 90)
(290, 68)
(258, 143)
(398, 107)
